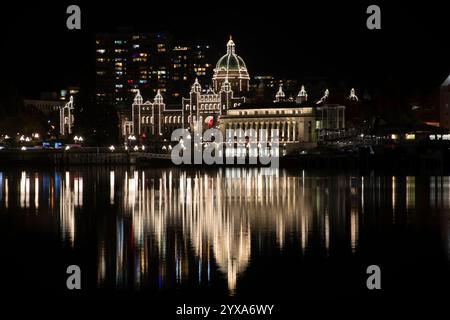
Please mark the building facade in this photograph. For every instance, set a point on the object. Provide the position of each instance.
(444, 113)
(151, 118)
(295, 123)
(208, 107)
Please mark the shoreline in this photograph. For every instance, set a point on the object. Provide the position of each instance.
(437, 159)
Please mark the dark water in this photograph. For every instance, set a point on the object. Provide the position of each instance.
(245, 233)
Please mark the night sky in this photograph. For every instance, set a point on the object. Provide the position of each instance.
(293, 39)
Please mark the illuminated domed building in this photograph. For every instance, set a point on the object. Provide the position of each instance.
(231, 67)
(226, 104)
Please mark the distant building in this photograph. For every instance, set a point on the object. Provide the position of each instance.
(45, 106)
(127, 61)
(187, 64)
(50, 102)
(445, 103)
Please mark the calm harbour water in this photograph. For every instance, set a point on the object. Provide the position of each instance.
(234, 232)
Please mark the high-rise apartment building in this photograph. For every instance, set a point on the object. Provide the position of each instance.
(187, 64)
(127, 61)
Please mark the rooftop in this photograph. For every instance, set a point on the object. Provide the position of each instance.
(274, 105)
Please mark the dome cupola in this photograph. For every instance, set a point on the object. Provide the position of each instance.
(231, 67)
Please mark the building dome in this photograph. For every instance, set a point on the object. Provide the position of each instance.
(231, 61)
(231, 67)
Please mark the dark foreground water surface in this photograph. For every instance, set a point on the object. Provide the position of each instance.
(244, 233)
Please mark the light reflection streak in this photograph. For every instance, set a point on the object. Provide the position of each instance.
(36, 192)
(6, 193)
(1, 187)
(394, 198)
(112, 187)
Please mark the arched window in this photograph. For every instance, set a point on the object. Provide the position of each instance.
(143, 120)
(151, 120)
(165, 119)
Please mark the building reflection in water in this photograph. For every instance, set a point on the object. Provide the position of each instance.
(186, 225)
(170, 228)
